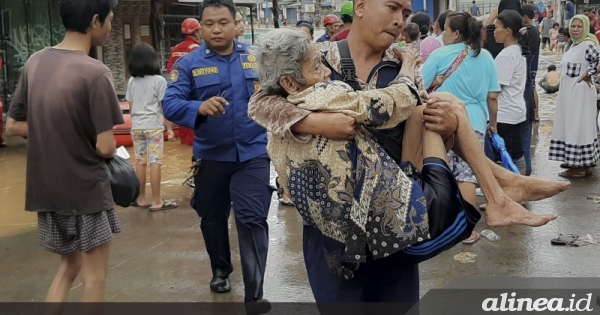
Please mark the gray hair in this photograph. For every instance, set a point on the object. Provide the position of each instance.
(280, 53)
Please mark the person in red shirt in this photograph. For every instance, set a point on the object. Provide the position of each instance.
(191, 28)
(346, 13)
(589, 12)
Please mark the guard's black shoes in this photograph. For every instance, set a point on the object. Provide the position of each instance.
(258, 306)
(220, 284)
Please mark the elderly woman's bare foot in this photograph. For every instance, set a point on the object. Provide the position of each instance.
(505, 212)
(522, 189)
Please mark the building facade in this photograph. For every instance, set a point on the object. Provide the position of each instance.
(27, 26)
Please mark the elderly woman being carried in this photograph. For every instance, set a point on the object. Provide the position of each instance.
(352, 191)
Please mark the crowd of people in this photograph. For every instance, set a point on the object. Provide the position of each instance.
(379, 131)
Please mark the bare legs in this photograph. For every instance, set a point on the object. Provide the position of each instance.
(140, 171)
(70, 265)
(92, 266)
(504, 211)
(501, 209)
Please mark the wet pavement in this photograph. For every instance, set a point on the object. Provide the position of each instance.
(160, 256)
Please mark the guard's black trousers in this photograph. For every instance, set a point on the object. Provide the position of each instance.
(247, 185)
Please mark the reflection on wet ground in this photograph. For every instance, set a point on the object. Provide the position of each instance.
(161, 256)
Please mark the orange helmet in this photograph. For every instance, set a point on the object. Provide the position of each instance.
(190, 26)
(330, 19)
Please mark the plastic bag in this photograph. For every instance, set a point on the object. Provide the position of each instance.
(124, 183)
(507, 161)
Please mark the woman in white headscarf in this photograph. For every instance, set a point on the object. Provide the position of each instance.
(574, 139)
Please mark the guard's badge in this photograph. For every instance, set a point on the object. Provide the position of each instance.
(248, 61)
(174, 75)
(256, 87)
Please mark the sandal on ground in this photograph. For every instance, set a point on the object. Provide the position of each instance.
(167, 205)
(475, 236)
(569, 240)
(564, 239)
(573, 174)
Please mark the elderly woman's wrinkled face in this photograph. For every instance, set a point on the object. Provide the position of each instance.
(313, 69)
(313, 72)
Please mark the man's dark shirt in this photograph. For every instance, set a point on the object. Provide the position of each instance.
(533, 35)
(490, 43)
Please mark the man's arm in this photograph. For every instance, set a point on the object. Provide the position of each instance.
(284, 119)
(105, 113)
(492, 103)
(16, 128)
(380, 108)
(542, 80)
(106, 146)
(178, 104)
(16, 124)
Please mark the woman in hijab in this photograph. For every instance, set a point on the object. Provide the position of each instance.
(574, 140)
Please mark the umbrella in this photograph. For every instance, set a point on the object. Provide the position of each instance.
(507, 161)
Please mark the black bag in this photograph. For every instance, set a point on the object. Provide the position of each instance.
(124, 183)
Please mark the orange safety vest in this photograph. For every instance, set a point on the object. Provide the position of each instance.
(182, 49)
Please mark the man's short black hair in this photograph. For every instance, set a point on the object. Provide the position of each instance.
(527, 10)
(77, 15)
(218, 4)
(551, 68)
(311, 29)
(143, 61)
(586, 10)
(346, 18)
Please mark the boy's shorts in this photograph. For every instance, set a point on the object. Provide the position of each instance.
(64, 234)
(148, 145)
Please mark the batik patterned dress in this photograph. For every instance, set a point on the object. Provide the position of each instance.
(353, 191)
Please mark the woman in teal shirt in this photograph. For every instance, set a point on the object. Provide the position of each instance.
(471, 76)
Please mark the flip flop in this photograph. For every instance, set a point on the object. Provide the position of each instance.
(565, 239)
(566, 174)
(475, 236)
(167, 205)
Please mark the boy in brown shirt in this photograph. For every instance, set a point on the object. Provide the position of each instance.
(66, 106)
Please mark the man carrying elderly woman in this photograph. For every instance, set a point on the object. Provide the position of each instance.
(372, 203)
